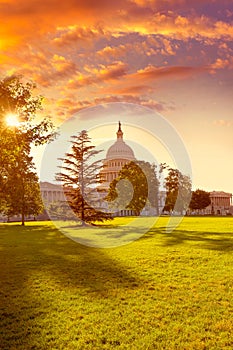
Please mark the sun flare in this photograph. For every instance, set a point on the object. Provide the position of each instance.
(12, 120)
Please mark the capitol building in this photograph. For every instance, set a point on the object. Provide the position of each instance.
(118, 155)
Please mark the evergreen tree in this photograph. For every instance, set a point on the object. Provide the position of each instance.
(80, 178)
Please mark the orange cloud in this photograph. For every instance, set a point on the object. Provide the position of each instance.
(179, 72)
(220, 63)
(133, 90)
(74, 34)
(222, 122)
(29, 20)
(101, 74)
(67, 107)
(113, 51)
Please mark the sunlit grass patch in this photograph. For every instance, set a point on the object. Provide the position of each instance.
(163, 291)
(116, 233)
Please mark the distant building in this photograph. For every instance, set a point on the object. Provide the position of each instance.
(221, 203)
(51, 193)
(118, 155)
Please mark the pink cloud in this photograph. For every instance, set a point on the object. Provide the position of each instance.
(67, 107)
(180, 72)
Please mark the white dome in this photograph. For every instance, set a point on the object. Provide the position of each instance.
(120, 150)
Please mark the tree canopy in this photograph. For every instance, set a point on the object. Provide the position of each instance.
(200, 200)
(17, 172)
(80, 177)
(178, 187)
(139, 188)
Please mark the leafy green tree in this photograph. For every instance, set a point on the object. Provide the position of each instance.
(17, 98)
(20, 186)
(178, 187)
(140, 189)
(80, 178)
(200, 200)
(24, 198)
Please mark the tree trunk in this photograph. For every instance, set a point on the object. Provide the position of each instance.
(82, 211)
(23, 205)
(23, 218)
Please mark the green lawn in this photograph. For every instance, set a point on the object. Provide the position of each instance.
(163, 291)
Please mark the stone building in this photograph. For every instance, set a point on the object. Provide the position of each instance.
(221, 203)
(118, 155)
(51, 193)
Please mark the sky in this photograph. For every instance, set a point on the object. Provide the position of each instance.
(174, 57)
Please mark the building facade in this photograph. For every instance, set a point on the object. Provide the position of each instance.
(117, 156)
(221, 203)
(51, 193)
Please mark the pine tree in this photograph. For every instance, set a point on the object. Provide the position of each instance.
(80, 178)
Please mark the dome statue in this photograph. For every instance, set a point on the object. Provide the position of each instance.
(117, 156)
(120, 150)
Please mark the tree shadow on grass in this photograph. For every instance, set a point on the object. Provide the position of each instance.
(47, 245)
(207, 240)
(41, 267)
(106, 236)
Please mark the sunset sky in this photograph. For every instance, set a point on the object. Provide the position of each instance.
(175, 57)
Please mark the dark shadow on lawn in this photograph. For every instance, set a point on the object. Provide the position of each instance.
(207, 240)
(32, 257)
(53, 249)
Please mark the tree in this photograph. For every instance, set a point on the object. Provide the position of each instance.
(178, 187)
(21, 192)
(141, 187)
(24, 198)
(200, 200)
(80, 179)
(17, 98)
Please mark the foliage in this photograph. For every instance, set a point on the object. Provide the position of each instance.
(59, 210)
(16, 166)
(80, 179)
(16, 97)
(178, 187)
(140, 189)
(200, 200)
(165, 291)
(20, 187)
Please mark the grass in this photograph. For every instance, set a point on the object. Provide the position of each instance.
(163, 291)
